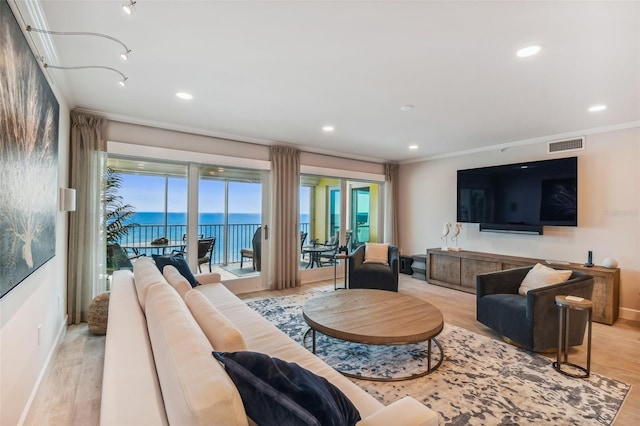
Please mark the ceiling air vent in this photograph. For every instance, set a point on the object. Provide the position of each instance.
(575, 144)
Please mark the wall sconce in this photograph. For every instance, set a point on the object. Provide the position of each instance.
(67, 200)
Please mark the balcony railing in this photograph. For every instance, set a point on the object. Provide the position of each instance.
(239, 237)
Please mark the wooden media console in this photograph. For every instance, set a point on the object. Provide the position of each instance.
(458, 270)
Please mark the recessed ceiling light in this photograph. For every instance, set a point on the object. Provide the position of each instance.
(413, 146)
(328, 129)
(528, 51)
(407, 107)
(596, 108)
(184, 95)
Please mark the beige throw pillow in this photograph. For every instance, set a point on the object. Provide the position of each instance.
(376, 253)
(176, 279)
(222, 335)
(542, 276)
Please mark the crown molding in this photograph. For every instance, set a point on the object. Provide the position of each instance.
(541, 139)
(224, 136)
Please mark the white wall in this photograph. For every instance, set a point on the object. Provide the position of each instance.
(608, 208)
(145, 141)
(39, 301)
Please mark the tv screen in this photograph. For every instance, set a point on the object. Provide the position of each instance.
(538, 193)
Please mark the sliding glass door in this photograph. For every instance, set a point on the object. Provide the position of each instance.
(360, 215)
(229, 214)
(364, 215)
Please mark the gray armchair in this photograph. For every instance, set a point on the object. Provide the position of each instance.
(530, 321)
(373, 275)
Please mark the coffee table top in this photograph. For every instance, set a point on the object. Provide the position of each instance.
(375, 317)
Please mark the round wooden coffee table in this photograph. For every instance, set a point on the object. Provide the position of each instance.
(375, 317)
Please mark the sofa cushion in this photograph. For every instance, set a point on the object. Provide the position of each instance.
(542, 276)
(128, 359)
(176, 279)
(222, 335)
(146, 274)
(177, 261)
(262, 336)
(196, 390)
(276, 392)
(376, 253)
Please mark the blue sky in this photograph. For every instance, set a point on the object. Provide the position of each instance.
(146, 194)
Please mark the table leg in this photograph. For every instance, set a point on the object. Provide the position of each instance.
(560, 333)
(589, 342)
(345, 272)
(566, 335)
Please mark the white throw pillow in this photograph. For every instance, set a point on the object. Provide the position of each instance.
(177, 281)
(220, 332)
(542, 276)
(376, 253)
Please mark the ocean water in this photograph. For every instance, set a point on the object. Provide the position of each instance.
(151, 225)
(157, 218)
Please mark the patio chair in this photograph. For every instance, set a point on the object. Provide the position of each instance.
(254, 253)
(303, 237)
(118, 258)
(205, 251)
(331, 249)
(183, 248)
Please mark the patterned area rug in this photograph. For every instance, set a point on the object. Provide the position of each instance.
(482, 381)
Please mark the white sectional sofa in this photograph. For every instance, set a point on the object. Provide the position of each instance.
(158, 366)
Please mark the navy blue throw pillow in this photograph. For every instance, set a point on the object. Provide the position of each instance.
(275, 392)
(177, 261)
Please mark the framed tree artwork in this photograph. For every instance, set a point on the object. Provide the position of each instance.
(29, 115)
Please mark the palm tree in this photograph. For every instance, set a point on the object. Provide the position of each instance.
(117, 217)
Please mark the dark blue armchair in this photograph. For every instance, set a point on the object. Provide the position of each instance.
(530, 321)
(373, 275)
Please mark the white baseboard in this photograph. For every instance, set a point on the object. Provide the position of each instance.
(43, 371)
(629, 314)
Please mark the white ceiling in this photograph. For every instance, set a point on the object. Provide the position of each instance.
(277, 71)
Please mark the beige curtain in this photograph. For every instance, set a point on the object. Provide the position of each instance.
(285, 218)
(86, 255)
(391, 204)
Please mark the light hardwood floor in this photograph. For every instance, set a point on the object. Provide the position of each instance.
(70, 391)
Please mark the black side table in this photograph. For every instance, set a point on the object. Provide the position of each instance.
(565, 304)
(345, 258)
(405, 265)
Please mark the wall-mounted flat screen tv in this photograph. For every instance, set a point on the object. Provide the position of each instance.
(520, 197)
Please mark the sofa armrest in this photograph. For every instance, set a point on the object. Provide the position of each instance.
(356, 258)
(394, 261)
(500, 282)
(405, 411)
(208, 278)
(541, 301)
